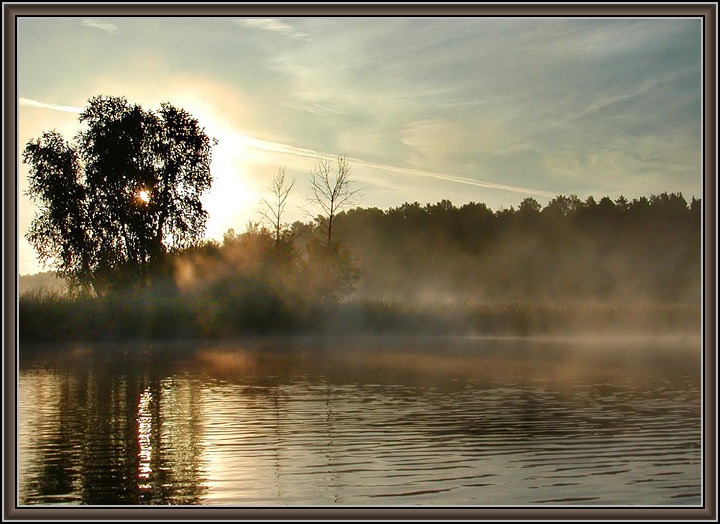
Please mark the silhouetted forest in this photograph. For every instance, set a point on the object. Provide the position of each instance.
(573, 265)
(569, 251)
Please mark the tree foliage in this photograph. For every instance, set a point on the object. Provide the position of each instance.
(122, 196)
(569, 250)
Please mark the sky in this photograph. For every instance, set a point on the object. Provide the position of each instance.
(474, 109)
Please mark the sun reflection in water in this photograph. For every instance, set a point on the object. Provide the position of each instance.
(144, 434)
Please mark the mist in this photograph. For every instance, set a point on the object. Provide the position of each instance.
(572, 267)
(569, 252)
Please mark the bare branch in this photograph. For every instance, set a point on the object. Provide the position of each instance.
(331, 190)
(273, 211)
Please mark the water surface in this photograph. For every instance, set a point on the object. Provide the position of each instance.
(513, 421)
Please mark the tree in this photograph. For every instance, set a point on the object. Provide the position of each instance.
(622, 204)
(562, 205)
(124, 195)
(273, 211)
(331, 192)
(529, 209)
(332, 271)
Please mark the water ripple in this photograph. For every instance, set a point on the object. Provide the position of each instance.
(119, 435)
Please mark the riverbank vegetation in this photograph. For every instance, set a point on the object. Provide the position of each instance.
(571, 267)
(120, 219)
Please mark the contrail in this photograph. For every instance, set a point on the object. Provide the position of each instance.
(34, 103)
(457, 179)
(310, 153)
(103, 25)
(277, 147)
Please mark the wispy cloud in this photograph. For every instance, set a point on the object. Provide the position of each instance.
(456, 179)
(277, 147)
(274, 25)
(103, 25)
(604, 100)
(34, 103)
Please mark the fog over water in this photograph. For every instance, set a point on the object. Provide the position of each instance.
(393, 421)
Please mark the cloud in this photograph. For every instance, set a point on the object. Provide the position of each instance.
(28, 102)
(276, 147)
(456, 179)
(604, 99)
(433, 140)
(310, 153)
(103, 25)
(274, 25)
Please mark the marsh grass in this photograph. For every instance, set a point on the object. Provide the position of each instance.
(516, 318)
(254, 310)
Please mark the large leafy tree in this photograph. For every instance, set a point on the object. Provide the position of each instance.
(122, 196)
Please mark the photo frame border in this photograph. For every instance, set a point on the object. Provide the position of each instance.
(12, 512)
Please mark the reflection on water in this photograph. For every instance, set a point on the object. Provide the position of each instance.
(476, 422)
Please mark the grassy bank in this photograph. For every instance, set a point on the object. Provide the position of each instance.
(50, 316)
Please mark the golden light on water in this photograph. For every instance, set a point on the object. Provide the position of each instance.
(144, 435)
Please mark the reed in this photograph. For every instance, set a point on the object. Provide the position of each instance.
(256, 310)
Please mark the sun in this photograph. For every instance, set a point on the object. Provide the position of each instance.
(144, 196)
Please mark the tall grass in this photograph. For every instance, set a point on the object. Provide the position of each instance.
(253, 309)
(51, 316)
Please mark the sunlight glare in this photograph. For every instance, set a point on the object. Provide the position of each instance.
(144, 196)
(144, 432)
(232, 201)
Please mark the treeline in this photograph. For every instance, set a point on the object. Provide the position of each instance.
(571, 266)
(571, 250)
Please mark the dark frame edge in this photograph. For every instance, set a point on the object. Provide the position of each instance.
(358, 8)
(10, 275)
(359, 514)
(710, 342)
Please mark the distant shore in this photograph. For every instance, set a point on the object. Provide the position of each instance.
(55, 318)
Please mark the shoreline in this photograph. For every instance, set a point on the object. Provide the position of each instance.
(177, 320)
(280, 343)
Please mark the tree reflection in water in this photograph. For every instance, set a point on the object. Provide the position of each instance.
(110, 438)
(512, 421)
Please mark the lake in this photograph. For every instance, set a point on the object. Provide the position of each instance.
(400, 421)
